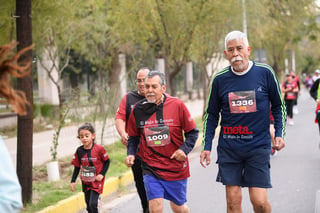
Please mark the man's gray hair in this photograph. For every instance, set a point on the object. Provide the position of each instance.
(162, 76)
(236, 35)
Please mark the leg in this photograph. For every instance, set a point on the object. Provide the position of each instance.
(156, 205)
(234, 199)
(87, 198)
(138, 178)
(93, 201)
(179, 209)
(290, 108)
(259, 200)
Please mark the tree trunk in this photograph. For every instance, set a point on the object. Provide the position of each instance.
(114, 83)
(205, 86)
(25, 123)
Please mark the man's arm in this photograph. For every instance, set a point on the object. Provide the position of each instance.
(278, 107)
(121, 128)
(120, 121)
(190, 140)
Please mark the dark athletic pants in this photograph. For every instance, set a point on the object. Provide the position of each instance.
(91, 198)
(289, 104)
(138, 178)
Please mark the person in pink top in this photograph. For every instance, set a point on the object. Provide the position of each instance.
(289, 88)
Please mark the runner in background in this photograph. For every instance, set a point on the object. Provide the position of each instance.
(121, 118)
(289, 88)
(296, 80)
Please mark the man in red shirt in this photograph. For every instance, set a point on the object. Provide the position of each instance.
(163, 128)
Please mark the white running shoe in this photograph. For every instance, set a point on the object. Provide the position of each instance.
(290, 121)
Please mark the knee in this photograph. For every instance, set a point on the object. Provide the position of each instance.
(261, 205)
(156, 205)
(234, 201)
(179, 209)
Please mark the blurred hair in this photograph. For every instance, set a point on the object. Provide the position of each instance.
(236, 35)
(160, 74)
(9, 67)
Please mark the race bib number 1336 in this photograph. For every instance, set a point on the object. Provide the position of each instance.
(242, 102)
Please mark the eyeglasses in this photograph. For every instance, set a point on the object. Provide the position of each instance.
(139, 80)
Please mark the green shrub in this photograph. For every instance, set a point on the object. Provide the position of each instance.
(47, 110)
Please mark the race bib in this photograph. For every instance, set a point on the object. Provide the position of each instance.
(157, 136)
(88, 173)
(242, 102)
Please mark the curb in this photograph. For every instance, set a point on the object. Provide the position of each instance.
(76, 202)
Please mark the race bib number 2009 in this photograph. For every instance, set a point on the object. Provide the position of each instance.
(242, 102)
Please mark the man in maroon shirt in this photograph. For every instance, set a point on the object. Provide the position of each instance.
(163, 128)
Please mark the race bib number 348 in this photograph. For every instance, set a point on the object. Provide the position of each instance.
(242, 102)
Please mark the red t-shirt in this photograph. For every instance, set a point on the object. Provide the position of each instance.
(290, 95)
(161, 131)
(126, 104)
(98, 157)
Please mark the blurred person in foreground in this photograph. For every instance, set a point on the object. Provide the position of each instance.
(241, 95)
(10, 193)
(122, 116)
(163, 128)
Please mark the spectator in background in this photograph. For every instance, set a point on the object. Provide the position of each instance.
(316, 75)
(10, 193)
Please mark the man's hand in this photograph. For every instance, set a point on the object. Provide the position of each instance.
(179, 155)
(124, 138)
(129, 161)
(205, 158)
(278, 144)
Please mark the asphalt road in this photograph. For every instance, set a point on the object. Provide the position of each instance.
(295, 175)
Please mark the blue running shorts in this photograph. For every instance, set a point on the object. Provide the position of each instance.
(245, 169)
(174, 191)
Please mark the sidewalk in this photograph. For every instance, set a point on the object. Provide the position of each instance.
(68, 142)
